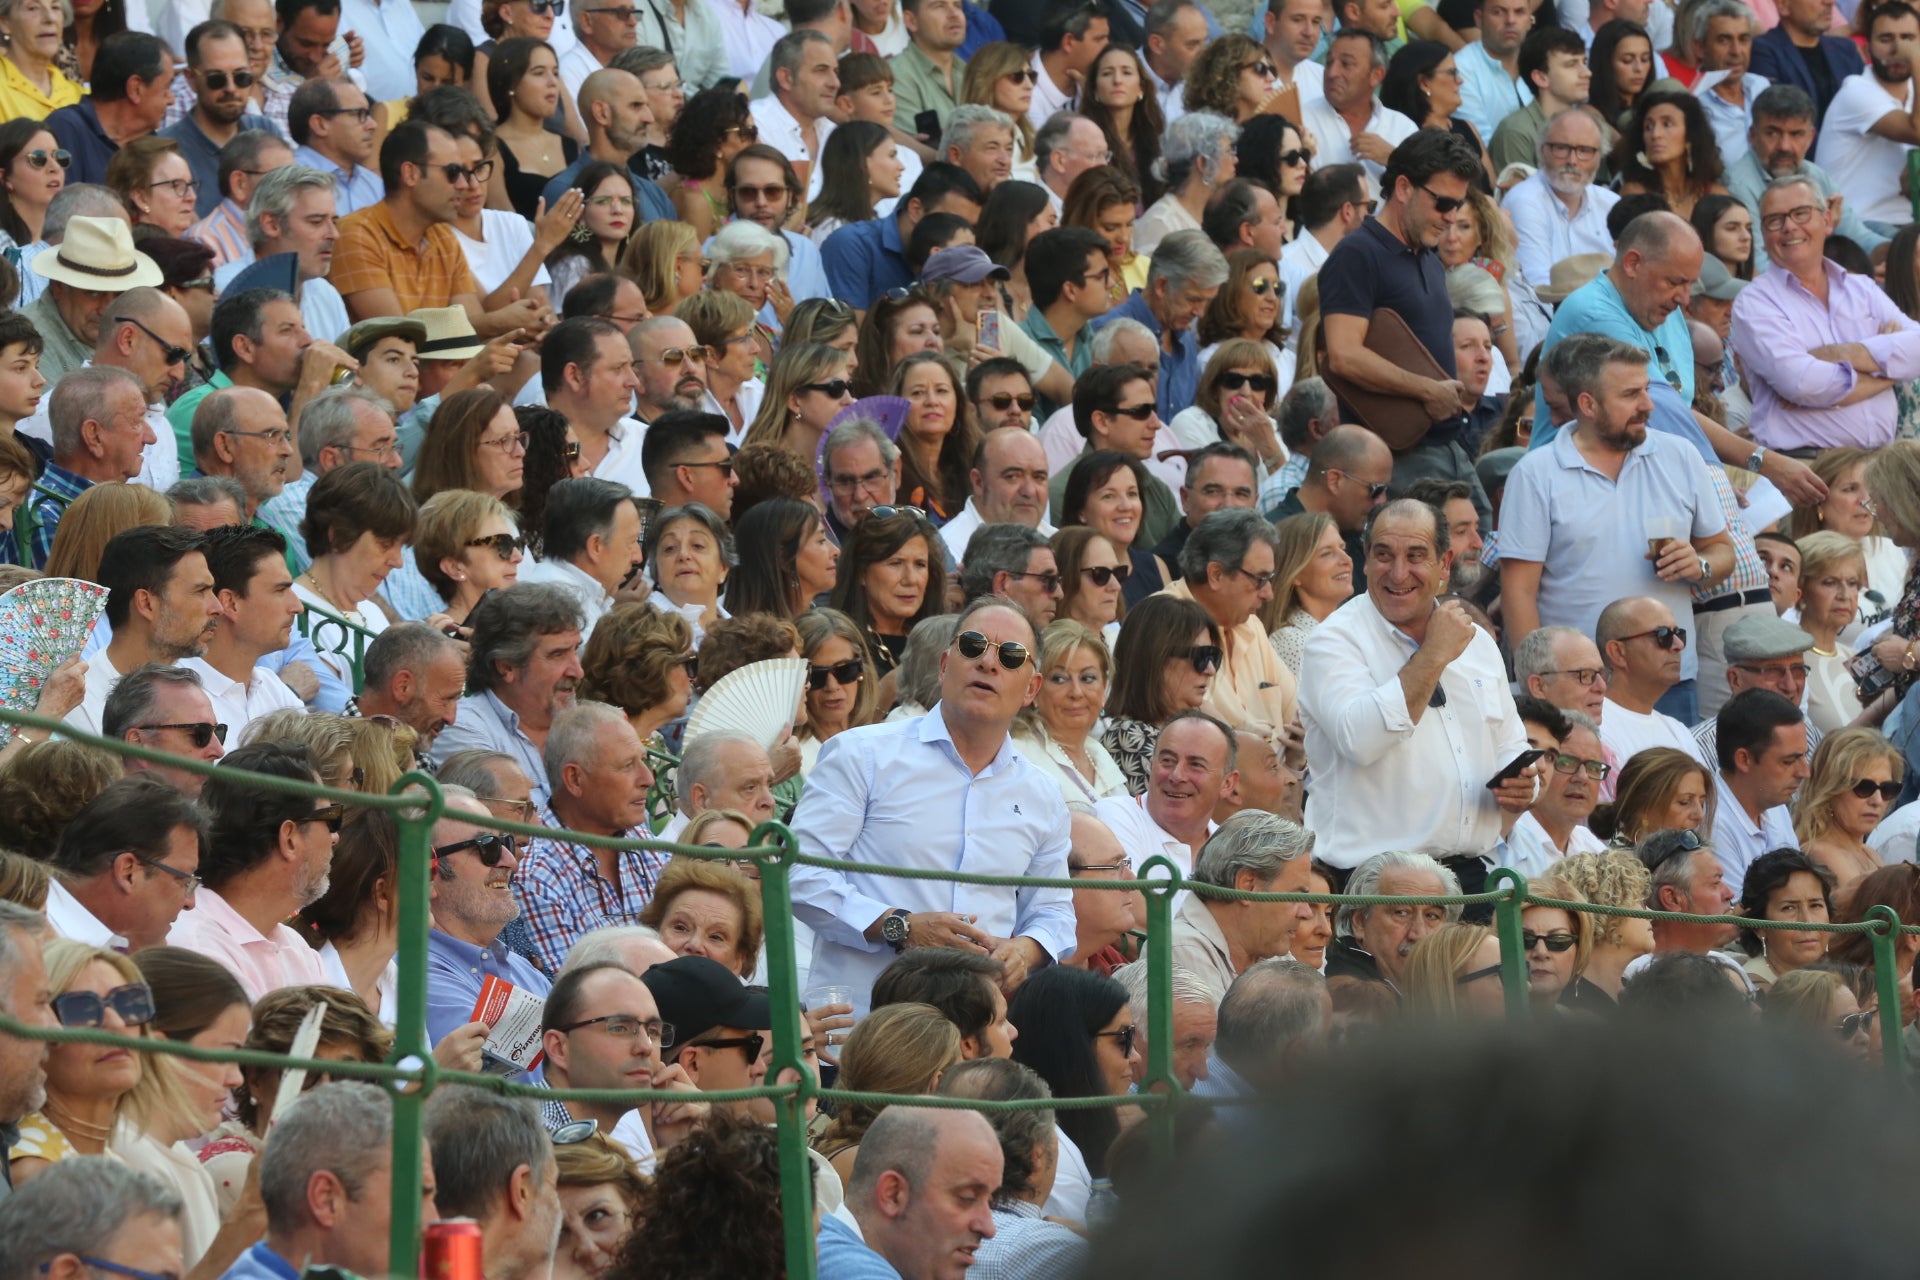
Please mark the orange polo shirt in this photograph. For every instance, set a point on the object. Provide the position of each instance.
(372, 254)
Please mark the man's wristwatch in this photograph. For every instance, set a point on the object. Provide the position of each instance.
(894, 928)
(1706, 569)
(1757, 459)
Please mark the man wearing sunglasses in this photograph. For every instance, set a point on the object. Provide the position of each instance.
(1014, 561)
(266, 857)
(222, 84)
(1001, 394)
(671, 367)
(127, 865)
(1347, 478)
(868, 797)
(719, 1025)
(686, 460)
(1641, 646)
(1114, 407)
(163, 708)
(1761, 754)
(1009, 478)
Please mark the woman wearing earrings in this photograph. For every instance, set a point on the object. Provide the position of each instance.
(1667, 148)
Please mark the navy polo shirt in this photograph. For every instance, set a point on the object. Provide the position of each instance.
(866, 259)
(1373, 268)
(78, 130)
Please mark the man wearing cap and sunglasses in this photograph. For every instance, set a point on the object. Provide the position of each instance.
(868, 799)
(719, 1025)
(266, 856)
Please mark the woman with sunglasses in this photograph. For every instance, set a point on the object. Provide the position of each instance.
(641, 659)
(714, 127)
(1165, 662)
(1423, 84)
(1896, 887)
(37, 86)
(1785, 885)
(1249, 307)
(1093, 578)
(1833, 573)
(808, 385)
(1127, 109)
(703, 908)
(1453, 975)
(1077, 1032)
(466, 544)
(842, 685)
(1000, 75)
(359, 519)
(1197, 157)
(1233, 77)
(1056, 732)
(1105, 200)
(153, 179)
(1235, 402)
(723, 323)
(525, 91)
(1854, 782)
(1313, 576)
(892, 576)
(1821, 1002)
(689, 555)
(1612, 879)
(1103, 492)
(1557, 943)
(33, 170)
(787, 560)
(939, 439)
(1274, 154)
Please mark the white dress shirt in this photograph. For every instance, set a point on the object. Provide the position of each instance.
(898, 794)
(71, 920)
(779, 129)
(622, 462)
(1739, 840)
(1047, 100)
(1336, 136)
(1730, 123)
(958, 530)
(1133, 825)
(1382, 780)
(1547, 233)
(586, 589)
(747, 35)
(238, 705)
(1488, 94)
(1529, 850)
(1302, 258)
(576, 64)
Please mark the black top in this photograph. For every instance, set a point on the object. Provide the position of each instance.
(524, 189)
(1145, 578)
(1345, 960)
(1824, 85)
(1588, 998)
(1171, 546)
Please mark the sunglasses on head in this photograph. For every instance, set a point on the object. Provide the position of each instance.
(1258, 381)
(199, 733)
(1102, 574)
(887, 512)
(39, 156)
(1123, 1037)
(1554, 942)
(488, 846)
(133, 1002)
(218, 80)
(1865, 787)
(1001, 401)
(1012, 654)
(843, 673)
(1205, 657)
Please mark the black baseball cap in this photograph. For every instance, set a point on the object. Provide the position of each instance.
(696, 995)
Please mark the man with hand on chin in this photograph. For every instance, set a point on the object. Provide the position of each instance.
(868, 798)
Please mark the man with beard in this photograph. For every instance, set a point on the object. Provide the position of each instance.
(1491, 86)
(1778, 141)
(1578, 518)
(616, 113)
(671, 367)
(160, 604)
(416, 675)
(216, 59)
(1455, 502)
(1874, 120)
(25, 997)
(266, 857)
(1559, 212)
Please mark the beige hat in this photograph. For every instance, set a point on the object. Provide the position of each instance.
(98, 254)
(1573, 274)
(450, 334)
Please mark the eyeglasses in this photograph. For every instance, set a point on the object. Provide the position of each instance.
(182, 188)
(508, 444)
(1581, 675)
(888, 512)
(674, 357)
(1258, 381)
(488, 846)
(218, 80)
(1778, 221)
(843, 673)
(519, 810)
(1001, 401)
(478, 174)
(1123, 1037)
(38, 157)
(1443, 204)
(844, 483)
(1570, 765)
(1261, 288)
(502, 544)
(753, 1044)
(1205, 657)
(1025, 75)
(1138, 412)
(832, 390)
(1102, 574)
(765, 195)
(541, 8)
(1302, 156)
(189, 882)
(1376, 490)
(1793, 671)
(173, 354)
(1049, 582)
(276, 437)
(1262, 68)
(725, 465)
(330, 814)
(628, 1026)
(1554, 942)
(1863, 788)
(133, 1002)
(1854, 1024)
(361, 115)
(1664, 637)
(1562, 150)
(749, 132)
(200, 733)
(1012, 654)
(1100, 868)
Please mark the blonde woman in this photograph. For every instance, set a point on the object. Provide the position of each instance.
(664, 258)
(327, 737)
(1057, 734)
(94, 518)
(1833, 573)
(703, 908)
(1611, 879)
(1821, 1003)
(1558, 942)
(465, 545)
(1847, 509)
(1454, 972)
(1313, 576)
(1854, 782)
(843, 686)
(807, 387)
(900, 1049)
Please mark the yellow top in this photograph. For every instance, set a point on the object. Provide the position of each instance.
(38, 1138)
(21, 99)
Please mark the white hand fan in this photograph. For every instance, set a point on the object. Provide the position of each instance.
(758, 699)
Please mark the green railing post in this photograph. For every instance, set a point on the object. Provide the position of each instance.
(1160, 879)
(410, 1031)
(1886, 945)
(783, 981)
(1506, 926)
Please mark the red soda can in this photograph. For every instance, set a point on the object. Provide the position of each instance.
(452, 1251)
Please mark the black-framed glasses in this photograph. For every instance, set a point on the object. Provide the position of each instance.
(1863, 788)
(1581, 675)
(330, 814)
(1570, 765)
(503, 545)
(725, 466)
(1664, 637)
(753, 1043)
(1800, 217)
(133, 1002)
(1138, 412)
(1564, 150)
(173, 354)
(476, 173)
(361, 115)
(1206, 657)
(1258, 381)
(1376, 489)
(887, 511)
(1123, 1038)
(1554, 942)
(182, 188)
(1001, 401)
(1049, 582)
(835, 389)
(488, 846)
(1259, 580)
(39, 156)
(1443, 204)
(1475, 975)
(843, 673)
(1102, 574)
(627, 1026)
(1854, 1024)
(1298, 156)
(1012, 654)
(200, 733)
(218, 80)
(189, 882)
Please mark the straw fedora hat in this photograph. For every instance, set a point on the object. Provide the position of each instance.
(98, 254)
(1573, 274)
(450, 334)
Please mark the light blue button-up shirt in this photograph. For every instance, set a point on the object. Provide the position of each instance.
(457, 970)
(353, 189)
(898, 794)
(1488, 94)
(488, 724)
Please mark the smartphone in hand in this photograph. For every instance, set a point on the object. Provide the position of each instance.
(1515, 767)
(990, 329)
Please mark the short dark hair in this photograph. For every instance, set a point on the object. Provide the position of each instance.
(997, 367)
(1428, 153)
(959, 984)
(1058, 258)
(124, 56)
(1544, 714)
(1539, 46)
(245, 818)
(507, 625)
(136, 815)
(211, 29)
(234, 553)
(314, 97)
(357, 499)
(1629, 209)
(1891, 9)
(938, 181)
(575, 340)
(672, 437)
(407, 143)
(1682, 984)
(578, 510)
(563, 999)
(289, 11)
(1327, 190)
(143, 559)
(1233, 206)
(589, 299)
(243, 152)
(1746, 723)
(1783, 102)
(132, 697)
(1065, 18)
(1098, 390)
(930, 235)
(1219, 449)
(237, 315)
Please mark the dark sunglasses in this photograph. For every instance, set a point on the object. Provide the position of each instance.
(503, 544)
(331, 814)
(133, 1002)
(1856, 1024)
(1596, 769)
(571, 449)
(1025, 75)
(843, 673)
(1138, 412)
(1001, 401)
(833, 390)
(1102, 574)
(488, 846)
(1260, 68)
(1123, 1037)
(1662, 636)
(478, 173)
(1685, 841)
(39, 156)
(199, 733)
(753, 1044)
(1261, 286)
(1258, 381)
(885, 512)
(171, 353)
(765, 194)
(218, 80)
(1555, 942)
(1012, 654)
(1206, 657)
(1302, 156)
(1443, 204)
(1865, 787)
(540, 8)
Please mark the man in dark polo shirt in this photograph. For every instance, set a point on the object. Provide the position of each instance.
(132, 86)
(1389, 261)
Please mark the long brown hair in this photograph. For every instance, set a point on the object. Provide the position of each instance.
(92, 519)
(950, 489)
(449, 457)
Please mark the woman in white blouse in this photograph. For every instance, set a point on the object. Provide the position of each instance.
(1833, 574)
(356, 923)
(1197, 158)
(1057, 734)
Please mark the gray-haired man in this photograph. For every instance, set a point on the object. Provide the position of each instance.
(345, 424)
(1273, 1014)
(27, 997)
(1217, 939)
(860, 464)
(1374, 942)
(1182, 279)
(494, 1164)
(90, 1215)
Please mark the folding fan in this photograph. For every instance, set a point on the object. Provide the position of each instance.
(759, 699)
(42, 624)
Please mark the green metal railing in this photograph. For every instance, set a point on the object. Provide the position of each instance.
(410, 1074)
(351, 643)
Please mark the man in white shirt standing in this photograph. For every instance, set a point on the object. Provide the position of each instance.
(1349, 121)
(1292, 37)
(1490, 85)
(590, 543)
(257, 608)
(1176, 33)
(1762, 749)
(1559, 212)
(1874, 120)
(868, 798)
(1642, 645)
(126, 865)
(1407, 710)
(586, 370)
(796, 116)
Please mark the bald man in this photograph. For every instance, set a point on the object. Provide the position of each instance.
(1347, 479)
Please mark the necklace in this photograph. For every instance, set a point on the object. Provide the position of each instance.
(325, 594)
(67, 1122)
(1818, 652)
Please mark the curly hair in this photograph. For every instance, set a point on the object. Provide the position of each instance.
(769, 471)
(347, 1025)
(1611, 879)
(693, 144)
(745, 638)
(627, 658)
(1703, 166)
(1213, 81)
(1836, 763)
(598, 1161)
(44, 786)
(683, 873)
(713, 1208)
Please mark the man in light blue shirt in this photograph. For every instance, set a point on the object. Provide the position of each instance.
(1490, 85)
(331, 124)
(944, 791)
(1247, 1058)
(919, 1201)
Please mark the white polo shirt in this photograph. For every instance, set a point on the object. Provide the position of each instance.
(238, 705)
